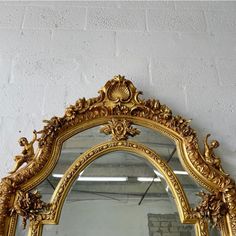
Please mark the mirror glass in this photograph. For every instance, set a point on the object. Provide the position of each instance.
(127, 206)
(167, 150)
(119, 194)
(19, 228)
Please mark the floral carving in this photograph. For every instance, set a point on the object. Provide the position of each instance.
(119, 97)
(212, 208)
(29, 205)
(120, 129)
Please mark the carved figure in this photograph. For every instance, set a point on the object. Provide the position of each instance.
(27, 153)
(209, 154)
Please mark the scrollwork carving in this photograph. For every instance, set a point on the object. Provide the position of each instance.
(119, 97)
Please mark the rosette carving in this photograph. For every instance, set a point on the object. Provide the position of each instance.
(119, 99)
(119, 129)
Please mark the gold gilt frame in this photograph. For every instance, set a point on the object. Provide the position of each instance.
(118, 106)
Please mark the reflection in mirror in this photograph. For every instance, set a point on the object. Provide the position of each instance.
(19, 229)
(71, 150)
(119, 194)
(214, 232)
(167, 149)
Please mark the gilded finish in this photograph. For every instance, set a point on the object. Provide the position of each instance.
(27, 153)
(119, 99)
(119, 129)
(209, 154)
(59, 196)
(212, 208)
(29, 205)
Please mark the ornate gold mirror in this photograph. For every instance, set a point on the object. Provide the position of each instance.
(117, 165)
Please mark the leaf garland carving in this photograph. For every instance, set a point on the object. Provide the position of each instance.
(29, 205)
(211, 208)
(119, 97)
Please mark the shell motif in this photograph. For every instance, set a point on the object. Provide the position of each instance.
(119, 92)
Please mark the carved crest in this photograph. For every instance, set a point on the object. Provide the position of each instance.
(117, 100)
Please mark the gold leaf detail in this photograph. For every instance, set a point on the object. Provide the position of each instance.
(29, 205)
(119, 129)
(212, 207)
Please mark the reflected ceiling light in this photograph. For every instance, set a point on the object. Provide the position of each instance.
(103, 179)
(158, 173)
(177, 172)
(180, 172)
(57, 175)
(99, 179)
(167, 188)
(148, 179)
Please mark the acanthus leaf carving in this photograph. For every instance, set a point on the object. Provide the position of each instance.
(119, 97)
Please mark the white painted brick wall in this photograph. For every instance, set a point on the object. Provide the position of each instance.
(52, 53)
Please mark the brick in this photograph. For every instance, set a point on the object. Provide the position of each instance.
(44, 68)
(55, 17)
(205, 5)
(184, 72)
(156, 234)
(21, 99)
(147, 4)
(165, 224)
(223, 45)
(171, 234)
(115, 19)
(156, 223)
(97, 71)
(154, 229)
(163, 44)
(53, 105)
(5, 68)
(11, 16)
(221, 21)
(15, 42)
(83, 43)
(227, 70)
(171, 20)
(204, 106)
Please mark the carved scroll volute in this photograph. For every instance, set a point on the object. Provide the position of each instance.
(119, 97)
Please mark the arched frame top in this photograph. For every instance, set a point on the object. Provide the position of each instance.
(72, 173)
(119, 99)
